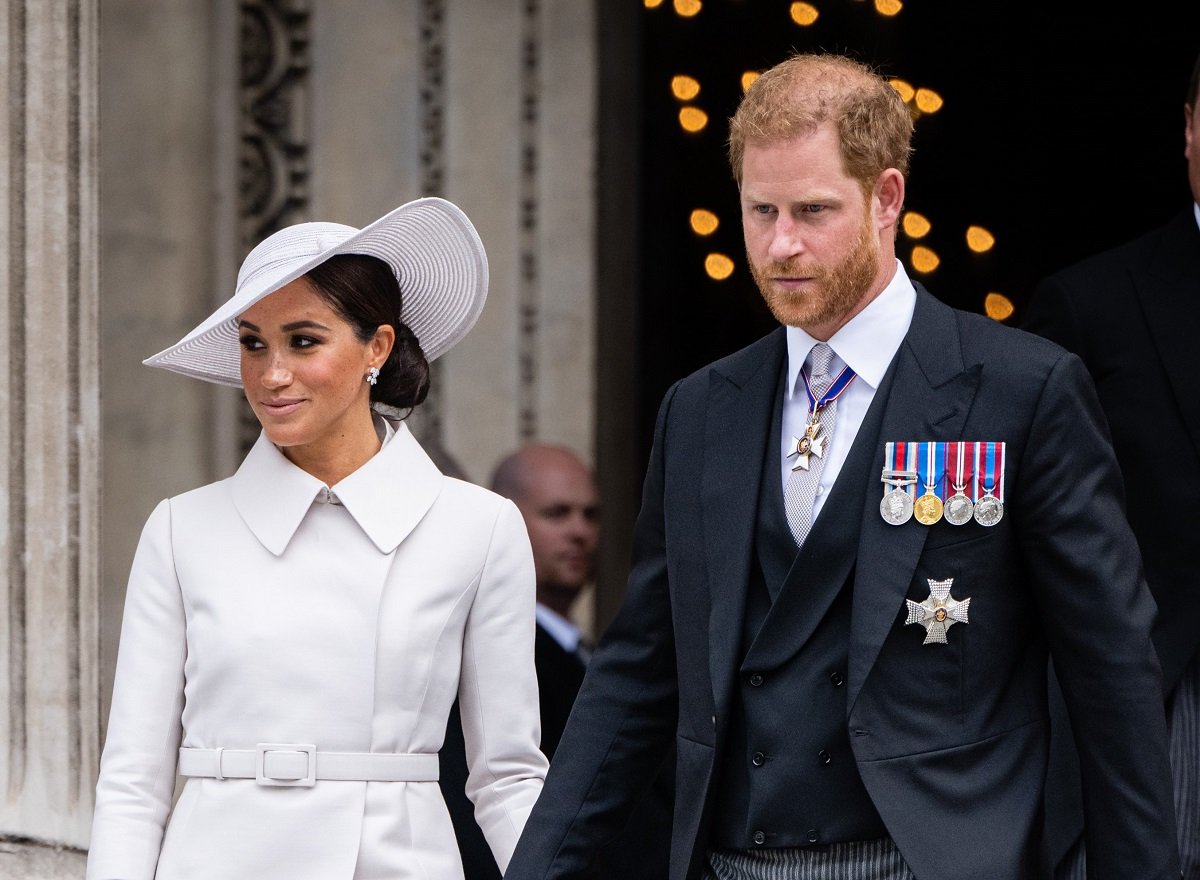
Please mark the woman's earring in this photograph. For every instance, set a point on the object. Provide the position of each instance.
(372, 375)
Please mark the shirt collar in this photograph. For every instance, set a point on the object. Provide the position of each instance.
(868, 341)
(387, 496)
(563, 631)
(1196, 211)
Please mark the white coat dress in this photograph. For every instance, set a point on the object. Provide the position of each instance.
(267, 609)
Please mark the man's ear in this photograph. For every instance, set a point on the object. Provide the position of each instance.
(889, 197)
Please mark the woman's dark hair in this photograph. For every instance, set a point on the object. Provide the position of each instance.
(367, 295)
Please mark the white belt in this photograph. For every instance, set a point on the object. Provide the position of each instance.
(288, 764)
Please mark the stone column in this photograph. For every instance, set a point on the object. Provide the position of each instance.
(49, 409)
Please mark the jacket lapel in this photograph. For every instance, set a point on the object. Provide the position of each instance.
(930, 397)
(1169, 293)
(737, 424)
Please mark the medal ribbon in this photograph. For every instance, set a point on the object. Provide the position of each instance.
(931, 466)
(901, 456)
(956, 455)
(840, 384)
(989, 466)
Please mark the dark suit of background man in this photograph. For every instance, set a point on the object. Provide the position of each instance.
(817, 733)
(1132, 315)
(556, 494)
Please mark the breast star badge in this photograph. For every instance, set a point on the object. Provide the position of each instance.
(939, 612)
(812, 443)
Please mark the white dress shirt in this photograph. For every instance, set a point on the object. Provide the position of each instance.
(563, 631)
(867, 344)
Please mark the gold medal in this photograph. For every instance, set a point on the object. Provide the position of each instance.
(928, 508)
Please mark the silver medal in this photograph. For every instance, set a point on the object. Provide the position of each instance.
(988, 510)
(958, 508)
(896, 508)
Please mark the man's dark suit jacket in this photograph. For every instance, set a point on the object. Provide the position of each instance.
(1132, 315)
(950, 740)
(640, 853)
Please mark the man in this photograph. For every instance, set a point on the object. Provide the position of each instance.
(851, 696)
(557, 497)
(1130, 313)
(556, 494)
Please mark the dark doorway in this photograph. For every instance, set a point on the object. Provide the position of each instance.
(1060, 132)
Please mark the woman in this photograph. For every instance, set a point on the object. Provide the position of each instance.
(295, 635)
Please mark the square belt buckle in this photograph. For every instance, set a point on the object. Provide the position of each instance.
(307, 780)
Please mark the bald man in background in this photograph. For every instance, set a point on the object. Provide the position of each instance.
(556, 494)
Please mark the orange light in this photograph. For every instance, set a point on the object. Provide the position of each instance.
(979, 239)
(693, 119)
(718, 266)
(915, 225)
(653, 4)
(998, 306)
(902, 88)
(804, 14)
(684, 87)
(888, 7)
(924, 259)
(704, 222)
(748, 78)
(687, 8)
(929, 101)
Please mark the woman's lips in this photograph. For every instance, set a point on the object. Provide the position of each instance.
(281, 407)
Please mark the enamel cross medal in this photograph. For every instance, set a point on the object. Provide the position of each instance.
(813, 441)
(939, 612)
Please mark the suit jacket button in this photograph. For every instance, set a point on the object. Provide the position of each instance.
(760, 838)
(813, 836)
(837, 678)
(758, 759)
(824, 756)
(756, 680)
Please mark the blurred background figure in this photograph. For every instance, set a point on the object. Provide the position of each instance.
(1131, 313)
(556, 494)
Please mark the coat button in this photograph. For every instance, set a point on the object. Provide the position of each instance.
(824, 756)
(758, 759)
(813, 836)
(756, 680)
(837, 679)
(760, 838)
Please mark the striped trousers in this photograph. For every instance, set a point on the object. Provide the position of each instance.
(1183, 729)
(858, 860)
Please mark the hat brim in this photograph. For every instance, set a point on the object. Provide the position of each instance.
(429, 243)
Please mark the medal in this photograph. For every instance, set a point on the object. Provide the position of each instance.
(896, 508)
(928, 508)
(989, 509)
(939, 612)
(813, 441)
(900, 474)
(958, 506)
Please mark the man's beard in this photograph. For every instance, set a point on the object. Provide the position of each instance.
(835, 291)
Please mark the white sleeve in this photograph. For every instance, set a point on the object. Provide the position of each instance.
(137, 770)
(498, 694)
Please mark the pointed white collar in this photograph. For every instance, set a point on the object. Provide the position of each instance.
(868, 341)
(387, 496)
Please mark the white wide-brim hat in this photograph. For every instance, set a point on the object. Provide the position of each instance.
(429, 243)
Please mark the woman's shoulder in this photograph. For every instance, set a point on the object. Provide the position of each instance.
(216, 493)
(470, 495)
